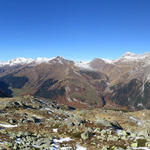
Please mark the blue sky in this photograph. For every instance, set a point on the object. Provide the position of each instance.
(74, 29)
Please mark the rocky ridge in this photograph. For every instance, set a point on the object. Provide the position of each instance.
(28, 123)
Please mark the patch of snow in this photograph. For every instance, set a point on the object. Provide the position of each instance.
(39, 117)
(42, 101)
(66, 148)
(108, 61)
(83, 65)
(67, 89)
(142, 148)
(54, 147)
(62, 140)
(18, 141)
(60, 61)
(35, 145)
(119, 132)
(139, 123)
(132, 118)
(74, 99)
(78, 147)
(8, 125)
(48, 109)
(140, 105)
(69, 99)
(42, 60)
(55, 130)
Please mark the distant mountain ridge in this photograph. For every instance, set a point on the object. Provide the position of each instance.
(123, 83)
(128, 56)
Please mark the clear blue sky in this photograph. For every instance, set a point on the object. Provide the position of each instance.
(74, 29)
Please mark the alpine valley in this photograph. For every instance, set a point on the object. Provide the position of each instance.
(121, 84)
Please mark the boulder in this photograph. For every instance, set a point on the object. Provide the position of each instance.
(134, 145)
(85, 135)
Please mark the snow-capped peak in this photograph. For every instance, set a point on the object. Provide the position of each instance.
(131, 57)
(16, 61)
(23, 61)
(127, 57)
(129, 54)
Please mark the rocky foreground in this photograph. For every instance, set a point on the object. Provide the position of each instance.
(28, 123)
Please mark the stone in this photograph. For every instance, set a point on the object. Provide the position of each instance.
(134, 145)
(85, 135)
(148, 138)
(103, 132)
(36, 120)
(15, 146)
(124, 138)
(98, 137)
(143, 133)
(133, 135)
(12, 121)
(147, 144)
(116, 125)
(20, 133)
(118, 148)
(97, 130)
(103, 122)
(106, 147)
(90, 130)
(112, 138)
(124, 133)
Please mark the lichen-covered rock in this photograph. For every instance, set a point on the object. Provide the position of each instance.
(103, 122)
(106, 147)
(134, 145)
(85, 135)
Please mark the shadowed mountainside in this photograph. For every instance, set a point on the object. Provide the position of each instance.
(119, 84)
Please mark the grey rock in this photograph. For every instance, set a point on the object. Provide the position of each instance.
(143, 133)
(85, 135)
(103, 122)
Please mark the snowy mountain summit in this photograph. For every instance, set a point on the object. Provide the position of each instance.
(127, 57)
(17, 61)
(23, 61)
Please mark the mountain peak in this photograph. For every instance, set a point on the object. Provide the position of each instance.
(129, 54)
(126, 57)
(59, 57)
(19, 60)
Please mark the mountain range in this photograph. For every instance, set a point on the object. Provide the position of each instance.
(123, 83)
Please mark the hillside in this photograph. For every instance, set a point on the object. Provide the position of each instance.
(28, 123)
(114, 84)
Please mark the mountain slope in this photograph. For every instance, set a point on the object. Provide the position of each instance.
(123, 83)
(58, 80)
